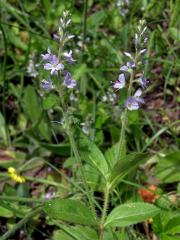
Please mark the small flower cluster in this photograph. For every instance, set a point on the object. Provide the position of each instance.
(56, 63)
(15, 176)
(109, 97)
(134, 65)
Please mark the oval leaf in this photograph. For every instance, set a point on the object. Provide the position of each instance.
(131, 213)
(93, 155)
(70, 211)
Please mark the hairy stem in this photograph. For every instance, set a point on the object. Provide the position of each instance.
(104, 212)
(70, 134)
(79, 161)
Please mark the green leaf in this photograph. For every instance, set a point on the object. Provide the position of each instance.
(59, 149)
(164, 236)
(60, 234)
(70, 211)
(93, 178)
(173, 225)
(131, 213)
(5, 212)
(93, 155)
(125, 166)
(175, 34)
(167, 168)
(77, 232)
(3, 131)
(33, 110)
(32, 104)
(50, 101)
(96, 19)
(111, 153)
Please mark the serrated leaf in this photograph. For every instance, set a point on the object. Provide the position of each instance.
(70, 211)
(93, 155)
(131, 213)
(125, 166)
(111, 154)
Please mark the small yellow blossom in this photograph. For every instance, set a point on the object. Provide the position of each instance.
(11, 170)
(15, 176)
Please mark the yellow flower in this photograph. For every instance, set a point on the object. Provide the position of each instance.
(11, 170)
(15, 176)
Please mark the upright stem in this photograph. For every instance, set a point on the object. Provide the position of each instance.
(76, 152)
(104, 212)
(78, 158)
(124, 122)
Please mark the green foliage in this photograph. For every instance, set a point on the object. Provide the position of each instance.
(78, 232)
(69, 210)
(166, 224)
(34, 141)
(125, 166)
(167, 168)
(92, 154)
(131, 213)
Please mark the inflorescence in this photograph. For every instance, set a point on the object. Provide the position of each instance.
(56, 64)
(134, 66)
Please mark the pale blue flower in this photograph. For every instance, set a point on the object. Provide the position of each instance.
(120, 83)
(137, 95)
(54, 65)
(133, 102)
(47, 84)
(131, 64)
(69, 82)
(124, 69)
(68, 56)
(47, 56)
(143, 82)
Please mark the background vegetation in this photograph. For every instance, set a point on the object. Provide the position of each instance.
(34, 144)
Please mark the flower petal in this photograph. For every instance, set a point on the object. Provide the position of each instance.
(124, 68)
(138, 93)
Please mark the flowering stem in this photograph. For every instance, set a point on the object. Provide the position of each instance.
(124, 122)
(78, 159)
(76, 152)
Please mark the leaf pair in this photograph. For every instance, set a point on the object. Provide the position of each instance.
(74, 211)
(111, 170)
